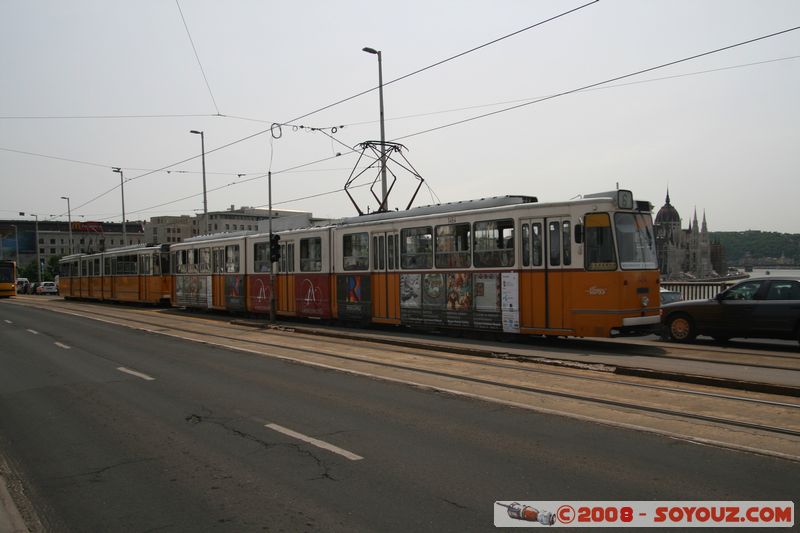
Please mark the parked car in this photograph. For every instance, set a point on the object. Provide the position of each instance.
(47, 287)
(756, 308)
(22, 285)
(668, 297)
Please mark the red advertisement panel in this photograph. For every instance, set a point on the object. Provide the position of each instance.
(259, 291)
(313, 295)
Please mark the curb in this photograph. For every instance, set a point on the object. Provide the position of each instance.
(752, 386)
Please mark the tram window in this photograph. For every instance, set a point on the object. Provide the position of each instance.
(355, 251)
(555, 243)
(261, 256)
(156, 264)
(194, 259)
(287, 257)
(107, 266)
(566, 241)
(180, 262)
(232, 258)
(599, 243)
(637, 248)
(144, 265)
(218, 260)
(311, 255)
(538, 244)
(204, 262)
(392, 251)
(526, 246)
(382, 254)
(416, 248)
(452, 246)
(165, 266)
(494, 243)
(97, 267)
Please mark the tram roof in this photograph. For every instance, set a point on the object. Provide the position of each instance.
(435, 209)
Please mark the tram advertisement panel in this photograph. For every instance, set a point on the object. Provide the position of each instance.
(487, 314)
(353, 296)
(454, 299)
(234, 292)
(259, 290)
(193, 291)
(313, 295)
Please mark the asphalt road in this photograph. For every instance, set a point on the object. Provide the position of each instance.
(103, 449)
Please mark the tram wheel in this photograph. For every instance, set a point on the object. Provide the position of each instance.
(681, 328)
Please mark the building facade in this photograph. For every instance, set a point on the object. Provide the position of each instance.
(686, 253)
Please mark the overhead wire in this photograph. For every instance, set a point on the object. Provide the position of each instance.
(197, 56)
(591, 85)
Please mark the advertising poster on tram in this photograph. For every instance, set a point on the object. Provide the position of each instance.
(193, 291)
(459, 299)
(411, 298)
(259, 290)
(313, 295)
(510, 301)
(433, 299)
(487, 313)
(234, 292)
(353, 296)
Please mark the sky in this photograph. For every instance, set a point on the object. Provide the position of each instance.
(91, 85)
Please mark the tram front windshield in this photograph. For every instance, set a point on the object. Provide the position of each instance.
(635, 241)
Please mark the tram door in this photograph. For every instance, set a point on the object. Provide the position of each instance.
(558, 245)
(385, 278)
(545, 253)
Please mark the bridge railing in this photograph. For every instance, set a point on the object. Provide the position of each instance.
(696, 290)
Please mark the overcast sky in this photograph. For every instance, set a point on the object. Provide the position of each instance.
(726, 142)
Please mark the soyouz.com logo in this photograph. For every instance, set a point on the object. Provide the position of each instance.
(677, 514)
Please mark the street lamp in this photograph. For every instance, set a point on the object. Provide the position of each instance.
(384, 199)
(69, 218)
(205, 198)
(122, 188)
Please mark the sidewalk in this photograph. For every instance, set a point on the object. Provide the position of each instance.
(632, 356)
(10, 519)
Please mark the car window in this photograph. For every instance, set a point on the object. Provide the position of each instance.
(743, 291)
(784, 290)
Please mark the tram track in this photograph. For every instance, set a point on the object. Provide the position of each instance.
(159, 328)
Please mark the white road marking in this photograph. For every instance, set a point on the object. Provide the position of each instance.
(316, 442)
(135, 373)
(8, 321)
(33, 331)
(60, 345)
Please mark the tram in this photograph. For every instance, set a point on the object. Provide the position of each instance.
(137, 274)
(584, 267)
(8, 279)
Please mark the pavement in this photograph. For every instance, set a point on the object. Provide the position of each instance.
(10, 518)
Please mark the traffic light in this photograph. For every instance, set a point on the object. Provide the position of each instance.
(274, 248)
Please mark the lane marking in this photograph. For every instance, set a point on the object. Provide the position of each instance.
(33, 331)
(8, 321)
(135, 373)
(60, 345)
(316, 442)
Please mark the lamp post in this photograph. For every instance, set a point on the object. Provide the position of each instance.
(384, 199)
(69, 218)
(203, 155)
(118, 170)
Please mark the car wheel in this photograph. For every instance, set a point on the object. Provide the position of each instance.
(681, 328)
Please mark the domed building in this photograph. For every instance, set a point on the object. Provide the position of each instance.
(682, 253)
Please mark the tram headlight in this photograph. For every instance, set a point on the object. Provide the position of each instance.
(645, 301)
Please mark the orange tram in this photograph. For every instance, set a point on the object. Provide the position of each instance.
(584, 267)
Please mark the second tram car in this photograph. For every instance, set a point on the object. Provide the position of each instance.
(8, 279)
(584, 267)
